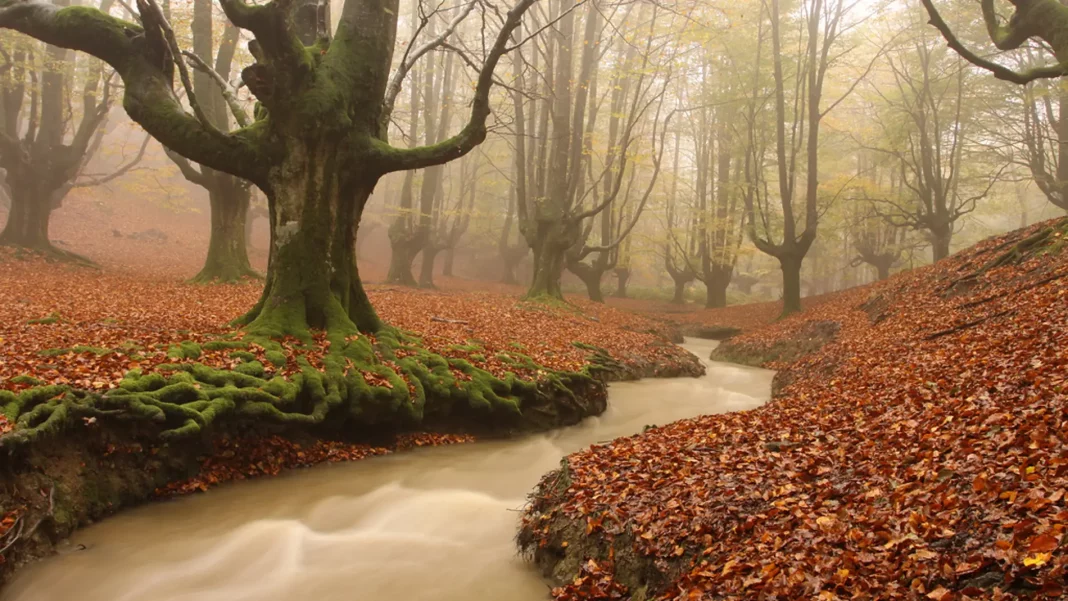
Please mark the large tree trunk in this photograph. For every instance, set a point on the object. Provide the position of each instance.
(312, 279)
(591, 276)
(679, 297)
(426, 271)
(791, 283)
(548, 269)
(404, 241)
(227, 250)
(940, 240)
(716, 287)
(450, 258)
(883, 267)
(27, 220)
(550, 243)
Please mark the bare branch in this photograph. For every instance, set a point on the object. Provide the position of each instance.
(228, 91)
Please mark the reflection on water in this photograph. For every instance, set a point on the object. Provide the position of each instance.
(432, 524)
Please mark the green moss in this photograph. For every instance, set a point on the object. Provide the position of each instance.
(243, 356)
(184, 350)
(277, 358)
(251, 368)
(49, 319)
(25, 380)
(222, 345)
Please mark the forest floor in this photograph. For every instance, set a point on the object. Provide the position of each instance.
(916, 448)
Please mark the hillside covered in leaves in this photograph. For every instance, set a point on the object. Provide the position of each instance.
(917, 448)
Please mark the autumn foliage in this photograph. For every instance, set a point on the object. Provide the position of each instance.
(918, 450)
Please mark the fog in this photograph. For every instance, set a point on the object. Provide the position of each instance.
(684, 151)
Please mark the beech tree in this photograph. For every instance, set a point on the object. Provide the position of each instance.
(680, 245)
(229, 197)
(558, 195)
(318, 146)
(786, 228)
(927, 116)
(44, 145)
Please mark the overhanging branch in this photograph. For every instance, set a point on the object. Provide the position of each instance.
(394, 159)
(1000, 71)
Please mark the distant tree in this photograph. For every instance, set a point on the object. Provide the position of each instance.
(785, 227)
(925, 122)
(228, 196)
(558, 195)
(45, 142)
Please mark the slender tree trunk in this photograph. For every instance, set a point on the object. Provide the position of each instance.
(791, 283)
(227, 249)
(622, 277)
(312, 279)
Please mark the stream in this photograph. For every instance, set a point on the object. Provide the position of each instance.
(430, 524)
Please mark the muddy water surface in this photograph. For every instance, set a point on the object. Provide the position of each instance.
(433, 524)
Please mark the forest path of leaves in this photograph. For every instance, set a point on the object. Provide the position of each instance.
(919, 450)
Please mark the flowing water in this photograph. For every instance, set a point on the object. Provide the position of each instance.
(431, 524)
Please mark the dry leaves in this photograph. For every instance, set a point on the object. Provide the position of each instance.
(930, 456)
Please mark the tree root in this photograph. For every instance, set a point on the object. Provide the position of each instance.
(217, 276)
(389, 380)
(1051, 236)
(49, 252)
(966, 325)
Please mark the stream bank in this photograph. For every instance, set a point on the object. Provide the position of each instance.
(431, 524)
(55, 485)
(914, 449)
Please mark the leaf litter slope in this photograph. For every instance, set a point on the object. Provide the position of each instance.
(922, 453)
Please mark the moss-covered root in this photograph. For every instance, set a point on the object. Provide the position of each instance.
(390, 380)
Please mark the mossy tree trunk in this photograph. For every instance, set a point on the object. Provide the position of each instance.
(312, 279)
(227, 259)
(229, 197)
(550, 244)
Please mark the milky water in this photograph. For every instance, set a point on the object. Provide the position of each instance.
(432, 524)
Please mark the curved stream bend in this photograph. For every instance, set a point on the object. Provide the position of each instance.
(433, 524)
